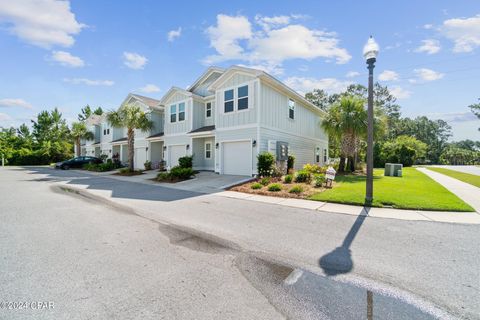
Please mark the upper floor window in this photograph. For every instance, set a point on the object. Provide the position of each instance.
(208, 110)
(324, 155)
(208, 150)
(228, 100)
(173, 113)
(291, 109)
(181, 111)
(108, 131)
(242, 102)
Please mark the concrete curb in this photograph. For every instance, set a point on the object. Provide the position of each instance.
(388, 213)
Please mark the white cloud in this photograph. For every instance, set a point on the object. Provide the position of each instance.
(455, 116)
(303, 85)
(271, 22)
(225, 37)
(5, 117)
(424, 74)
(400, 93)
(388, 75)
(429, 46)
(66, 59)
(352, 74)
(15, 103)
(44, 23)
(427, 26)
(234, 38)
(89, 82)
(465, 33)
(172, 34)
(134, 60)
(149, 88)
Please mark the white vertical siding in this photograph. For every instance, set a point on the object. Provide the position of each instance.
(236, 135)
(178, 127)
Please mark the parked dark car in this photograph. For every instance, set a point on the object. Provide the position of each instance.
(77, 162)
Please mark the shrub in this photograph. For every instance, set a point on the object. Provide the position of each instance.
(256, 186)
(124, 170)
(148, 165)
(162, 176)
(107, 166)
(288, 178)
(185, 162)
(314, 168)
(290, 162)
(277, 172)
(274, 187)
(296, 189)
(265, 164)
(181, 172)
(265, 181)
(318, 180)
(303, 176)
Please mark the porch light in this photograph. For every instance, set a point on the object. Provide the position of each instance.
(146, 149)
(164, 148)
(216, 145)
(254, 143)
(188, 146)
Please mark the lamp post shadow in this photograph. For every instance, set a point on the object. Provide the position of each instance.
(339, 260)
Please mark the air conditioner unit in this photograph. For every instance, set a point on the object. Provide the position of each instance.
(393, 169)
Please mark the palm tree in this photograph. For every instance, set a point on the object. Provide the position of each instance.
(80, 131)
(130, 117)
(346, 120)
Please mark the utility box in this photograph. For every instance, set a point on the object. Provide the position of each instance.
(393, 169)
(282, 151)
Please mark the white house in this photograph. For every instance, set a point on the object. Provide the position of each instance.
(227, 117)
(224, 119)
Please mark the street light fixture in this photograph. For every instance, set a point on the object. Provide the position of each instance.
(370, 52)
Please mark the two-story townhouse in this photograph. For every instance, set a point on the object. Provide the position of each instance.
(227, 117)
(148, 145)
(92, 147)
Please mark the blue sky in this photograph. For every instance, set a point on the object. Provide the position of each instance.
(69, 54)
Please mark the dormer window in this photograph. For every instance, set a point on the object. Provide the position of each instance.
(242, 102)
(228, 100)
(208, 110)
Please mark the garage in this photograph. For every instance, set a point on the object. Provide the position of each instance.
(176, 152)
(237, 158)
(140, 157)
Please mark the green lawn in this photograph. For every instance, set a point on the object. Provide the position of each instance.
(414, 190)
(465, 177)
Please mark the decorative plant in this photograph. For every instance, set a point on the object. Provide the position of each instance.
(303, 176)
(256, 186)
(148, 165)
(264, 181)
(185, 162)
(288, 178)
(265, 164)
(290, 162)
(296, 189)
(275, 187)
(318, 180)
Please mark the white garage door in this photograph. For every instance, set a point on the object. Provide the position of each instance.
(140, 157)
(175, 153)
(237, 158)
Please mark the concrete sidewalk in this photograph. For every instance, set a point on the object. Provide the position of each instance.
(468, 193)
(390, 213)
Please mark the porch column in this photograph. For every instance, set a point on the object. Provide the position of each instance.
(121, 153)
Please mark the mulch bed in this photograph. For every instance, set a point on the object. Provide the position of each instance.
(308, 189)
(130, 173)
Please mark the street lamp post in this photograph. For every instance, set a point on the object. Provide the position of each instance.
(370, 52)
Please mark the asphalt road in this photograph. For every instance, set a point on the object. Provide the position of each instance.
(60, 247)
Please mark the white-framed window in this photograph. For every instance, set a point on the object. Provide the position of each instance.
(208, 150)
(242, 97)
(291, 109)
(181, 111)
(173, 113)
(324, 155)
(317, 154)
(228, 101)
(208, 110)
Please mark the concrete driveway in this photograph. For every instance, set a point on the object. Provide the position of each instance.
(208, 182)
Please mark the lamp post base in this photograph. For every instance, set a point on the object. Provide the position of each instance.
(368, 201)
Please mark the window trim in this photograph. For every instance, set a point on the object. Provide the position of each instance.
(235, 97)
(177, 112)
(207, 109)
(209, 142)
(291, 109)
(232, 100)
(184, 111)
(244, 97)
